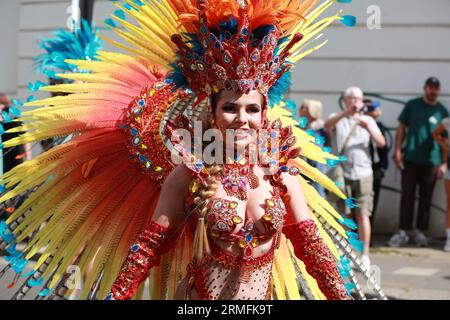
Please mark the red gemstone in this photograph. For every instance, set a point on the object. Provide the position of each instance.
(248, 251)
(294, 153)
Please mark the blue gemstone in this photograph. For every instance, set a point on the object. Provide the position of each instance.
(136, 140)
(248, 237)
(263, 150)
(284, 148)
(284, 168)
(108, 296)
(217, 45)
(134, 131)
(135, 247)
(142, 102)
(199, 164)
(142, 158)
(203, 29)
(273, 134)
(244, 32)
(274, 150)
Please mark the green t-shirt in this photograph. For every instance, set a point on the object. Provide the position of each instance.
(421, 120)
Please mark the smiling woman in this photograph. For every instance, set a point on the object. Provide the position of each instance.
(111, 199)
(238, 112)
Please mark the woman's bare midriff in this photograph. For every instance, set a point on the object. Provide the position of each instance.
(226, 283)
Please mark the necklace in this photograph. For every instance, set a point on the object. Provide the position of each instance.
(236, 176)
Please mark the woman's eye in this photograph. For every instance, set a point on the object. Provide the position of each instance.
(254, 109)
(228, 108)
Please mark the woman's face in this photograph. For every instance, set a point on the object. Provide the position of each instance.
(304, 112)
(235, 110)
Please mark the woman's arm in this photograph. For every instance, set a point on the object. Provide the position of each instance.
(309, 246)
(296, 207)
(439, 138)
(157, 238)
(169, 211)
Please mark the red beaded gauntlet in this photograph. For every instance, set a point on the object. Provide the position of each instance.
(319, 261)
(144, 255)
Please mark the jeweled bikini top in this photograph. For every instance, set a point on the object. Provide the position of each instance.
(222, 220)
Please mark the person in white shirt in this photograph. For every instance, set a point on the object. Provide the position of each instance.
(443, 142)
(354, 132)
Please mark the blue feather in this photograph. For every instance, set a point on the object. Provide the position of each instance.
(120, 14)
(358, 245)
(332, 162)
(351, 235)
(260, 32)
(292, 107)
(349, 223)
(35, 283)
(350, 203)
(28, 274)
(327, 149)
(348, 20)
(82, 44)
(350, 286)
(44, 292)
(280, 42)
(278, 90)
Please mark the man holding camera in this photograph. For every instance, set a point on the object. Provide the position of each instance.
(354, 133)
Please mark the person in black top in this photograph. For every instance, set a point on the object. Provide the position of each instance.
(380, 159)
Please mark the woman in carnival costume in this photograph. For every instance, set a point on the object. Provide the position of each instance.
(115, 201)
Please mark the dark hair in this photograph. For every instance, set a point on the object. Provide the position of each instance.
(214, 100)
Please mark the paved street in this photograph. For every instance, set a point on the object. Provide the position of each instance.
(406, 273)
(413, 273)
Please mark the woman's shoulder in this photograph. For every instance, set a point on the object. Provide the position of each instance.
(179, 177)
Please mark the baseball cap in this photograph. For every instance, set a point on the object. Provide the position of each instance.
(432, 81)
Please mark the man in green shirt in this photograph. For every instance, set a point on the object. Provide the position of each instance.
(422, 162)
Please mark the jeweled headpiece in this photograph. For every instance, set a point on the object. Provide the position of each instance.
(242, 44)
(245, 60)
